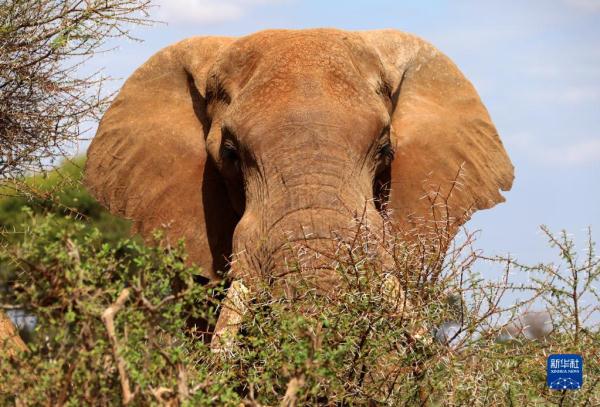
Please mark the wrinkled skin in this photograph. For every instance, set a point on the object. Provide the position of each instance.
(302, 132)
(241, 146)
(10, 341)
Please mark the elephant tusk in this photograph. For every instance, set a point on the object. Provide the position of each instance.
(394, 295)
(230, 319)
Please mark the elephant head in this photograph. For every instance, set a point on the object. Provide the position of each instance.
(242, 145)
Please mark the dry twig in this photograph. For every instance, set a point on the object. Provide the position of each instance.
(293, 386)
(108, 317)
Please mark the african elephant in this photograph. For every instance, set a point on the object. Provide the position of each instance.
(243, 145)
(10, 341)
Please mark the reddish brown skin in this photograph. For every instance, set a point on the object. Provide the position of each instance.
(10, 341)
(240, 145)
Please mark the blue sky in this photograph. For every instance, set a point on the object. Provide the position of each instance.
(536, 65)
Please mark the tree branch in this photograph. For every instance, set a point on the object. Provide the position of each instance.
(108, 317)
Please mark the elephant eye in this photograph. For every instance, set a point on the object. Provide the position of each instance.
(230, 154)
(229, 151)
(385, 152)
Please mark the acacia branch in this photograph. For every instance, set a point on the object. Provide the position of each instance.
(108, 317)
(290, 398)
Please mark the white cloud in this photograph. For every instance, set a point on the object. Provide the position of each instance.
(546, 71)
(202, 11)
(565, 69)
(585, 5)
(579, 153)
(581, 95)
(205, 11)
(573, 95)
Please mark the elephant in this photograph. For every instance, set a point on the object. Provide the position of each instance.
(242, 146)
(10, 341)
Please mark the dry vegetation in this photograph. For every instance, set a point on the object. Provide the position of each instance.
(45, 100)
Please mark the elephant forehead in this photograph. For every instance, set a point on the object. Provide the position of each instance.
(312, 47)
(306, 53)
(311, 61)
(279, 94)
(304, 84)
(296, 127)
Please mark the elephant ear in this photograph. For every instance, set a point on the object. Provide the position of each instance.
(148, 161)
(449, 160)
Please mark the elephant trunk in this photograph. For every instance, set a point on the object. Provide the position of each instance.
(303, 250)
(297, 238)
(309, 251)
(301, 236)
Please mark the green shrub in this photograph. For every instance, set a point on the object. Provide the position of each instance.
(68, 279)
(59, 191)
(357, 346)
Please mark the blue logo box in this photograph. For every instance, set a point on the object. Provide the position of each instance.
(564, 372)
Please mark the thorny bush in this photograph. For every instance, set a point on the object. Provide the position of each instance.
(372, 342)
(47, 101)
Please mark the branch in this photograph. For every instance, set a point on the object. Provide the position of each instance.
(293, 386)
(108, 317)
(183, 392)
